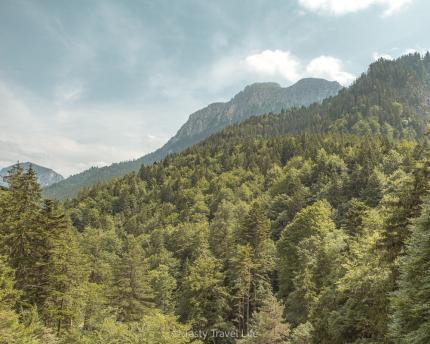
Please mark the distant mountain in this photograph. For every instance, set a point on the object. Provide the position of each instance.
(45, 176)
(337, 187)
(255, 99)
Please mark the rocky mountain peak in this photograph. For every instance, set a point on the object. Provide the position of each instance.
(45, 176)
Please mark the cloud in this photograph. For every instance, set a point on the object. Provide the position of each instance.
(342, 7)
(418, 49)
(397, 53)
(70, 134)
(275, 63)
(283, 66)
(68, 137)
(329, 68)
(69, 92)
(376, 56)
(11, 152)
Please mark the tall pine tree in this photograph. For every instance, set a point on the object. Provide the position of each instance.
(411, 302)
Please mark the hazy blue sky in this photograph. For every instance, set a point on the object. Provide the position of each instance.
(86, 83)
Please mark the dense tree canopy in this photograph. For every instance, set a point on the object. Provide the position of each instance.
(310, 226)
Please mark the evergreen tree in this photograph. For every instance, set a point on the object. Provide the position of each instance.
(131, 291)
(222, 228)
(267, 324)
(17, 328)
(66, 271)
(10, 327)
(101, 248)
(410, 304)
(164, 285)
(202, 294)
(404, 204)
(242, 269)
(309, 248)
(25, 239)
(314, 220)
(252, 263)
(359, 311)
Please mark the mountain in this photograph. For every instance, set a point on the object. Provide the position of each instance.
(390, 102)
(307, 226)
(255, 99)
(45, 176)
(313, 207)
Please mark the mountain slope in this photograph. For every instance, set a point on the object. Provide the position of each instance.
(255, 99)
(390, 101)
(45, 176)
(334, 186)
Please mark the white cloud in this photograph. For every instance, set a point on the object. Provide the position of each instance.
(330, 68)
(419, 50)
(70, 138)
(283, 66)
(397, 53)
(341, 7)
(69, 135)
(376, 56)
(226, 70)
(275, 63)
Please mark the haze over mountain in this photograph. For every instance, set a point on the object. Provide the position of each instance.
(255, 99)
(45, 176)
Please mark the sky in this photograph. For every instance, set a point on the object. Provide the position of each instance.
(86, 83)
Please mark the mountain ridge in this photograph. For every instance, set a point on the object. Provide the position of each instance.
(268, 96)
(327, 195)
(255, 99)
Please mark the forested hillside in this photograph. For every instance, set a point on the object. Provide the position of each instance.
(392, 99)
(254, 100)
(309, 226)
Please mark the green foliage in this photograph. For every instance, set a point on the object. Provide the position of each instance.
(302, 334)
(321, 200)
(252, 264)
(296, 209)
(410, 321)
(42, 249)
(203, 296)
(25, 240)
(66, 271)
(155, 328)
(390, 100)
(361, 290)
(310, 223)
(131, 291)
(267, 324)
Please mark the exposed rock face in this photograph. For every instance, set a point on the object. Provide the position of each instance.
(255, 99)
